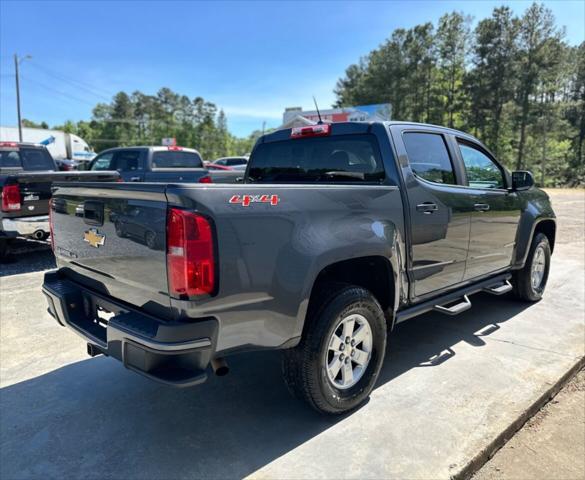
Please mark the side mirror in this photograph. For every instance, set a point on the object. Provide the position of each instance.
(522, 180)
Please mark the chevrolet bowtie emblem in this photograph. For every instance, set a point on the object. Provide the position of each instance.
(94, 238)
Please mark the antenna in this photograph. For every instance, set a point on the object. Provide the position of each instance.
(320, 122)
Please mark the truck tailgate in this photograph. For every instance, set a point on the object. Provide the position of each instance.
(112, 238)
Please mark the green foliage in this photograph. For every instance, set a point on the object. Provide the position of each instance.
(513, 82)
(140, 119)
(30, 124)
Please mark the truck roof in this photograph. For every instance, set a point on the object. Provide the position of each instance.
(155, 148)
(21, 144)
(347, 128)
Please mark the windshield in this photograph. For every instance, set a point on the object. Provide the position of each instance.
(176, 159)
(27, 159)
(348, 158)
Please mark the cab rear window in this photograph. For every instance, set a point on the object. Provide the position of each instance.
(335, 159)
(176, 159)
(28, 159)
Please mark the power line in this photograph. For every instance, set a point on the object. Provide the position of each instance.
(66, 95)
(76, 83)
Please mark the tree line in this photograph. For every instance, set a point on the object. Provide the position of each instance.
(512, 81)
(141, 119)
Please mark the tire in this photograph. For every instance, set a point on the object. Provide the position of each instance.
(524, 287)
(119, 230)
(4, 244)
(305, 366)
(150, 240)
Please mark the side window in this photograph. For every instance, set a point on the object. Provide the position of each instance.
(429, 158)
(482, 172)
(103, 162)
(127, 160)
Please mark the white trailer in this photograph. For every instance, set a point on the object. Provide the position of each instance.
(61, 145)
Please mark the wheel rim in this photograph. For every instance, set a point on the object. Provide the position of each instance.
(538, 268)
(349, 351)
(150, 239)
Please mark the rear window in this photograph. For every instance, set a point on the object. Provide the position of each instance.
(348, 158)
(176, 159)
(27, 159)
(428, 157)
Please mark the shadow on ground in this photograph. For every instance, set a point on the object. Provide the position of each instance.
(27, 256)
(94, 419)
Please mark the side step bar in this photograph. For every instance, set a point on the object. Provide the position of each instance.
(456, 309)
(499, 289)
(498, 283)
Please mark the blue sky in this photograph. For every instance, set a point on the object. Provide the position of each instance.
(252, 59)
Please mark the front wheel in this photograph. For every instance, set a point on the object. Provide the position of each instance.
(336, 364)
(530, 282)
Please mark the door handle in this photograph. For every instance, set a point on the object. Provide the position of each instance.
(427, 208)
(481, 207)
(134, 179)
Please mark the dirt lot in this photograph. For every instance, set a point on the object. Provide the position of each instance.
(550, 445)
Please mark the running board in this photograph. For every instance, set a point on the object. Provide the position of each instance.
(500, 289)
(452, 296)
(456, 309)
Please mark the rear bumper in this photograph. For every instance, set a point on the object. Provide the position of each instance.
(25, 226)
(175, 354)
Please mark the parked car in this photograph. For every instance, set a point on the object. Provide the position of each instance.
(231, 161)
(27, 172)
(66, 165)
(213, 166)
(338, 233)
(159, 164)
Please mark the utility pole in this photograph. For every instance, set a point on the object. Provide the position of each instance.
(16, 64)
(18, 98)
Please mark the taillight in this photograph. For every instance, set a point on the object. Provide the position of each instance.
(51, 224)
(10, 198)
(175, 148)
(205, 179)
(320, 130)
(190, 254)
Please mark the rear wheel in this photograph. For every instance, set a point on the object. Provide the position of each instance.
(530, 282)
(336, 364)
(150, 239)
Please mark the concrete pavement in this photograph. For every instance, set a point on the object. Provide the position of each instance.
(449, 389)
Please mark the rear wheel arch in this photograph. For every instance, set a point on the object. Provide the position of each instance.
(374, 273)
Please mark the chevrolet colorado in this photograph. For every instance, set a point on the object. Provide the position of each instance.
(338, 233)
(26, 173)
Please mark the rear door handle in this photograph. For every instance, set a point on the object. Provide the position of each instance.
(427, 208)
(481, 207)
(135, 179)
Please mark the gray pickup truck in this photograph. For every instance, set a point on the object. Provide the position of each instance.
(160, 164)
(338, 233)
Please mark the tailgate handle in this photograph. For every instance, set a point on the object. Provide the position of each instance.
(93, 213)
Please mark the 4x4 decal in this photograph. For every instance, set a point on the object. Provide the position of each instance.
(246, 200)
